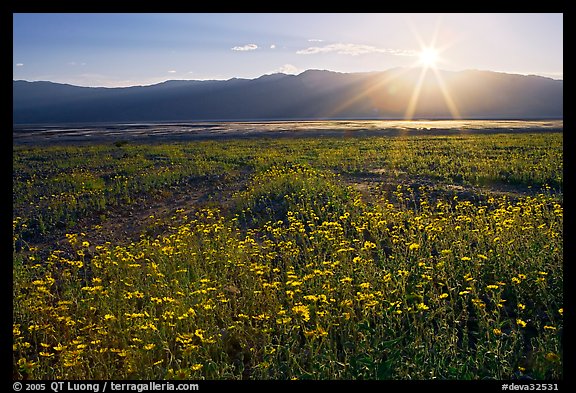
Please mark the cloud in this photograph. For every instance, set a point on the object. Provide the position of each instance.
(354, 50)
(19, 64)
(273, 46)
(96, 80)
(172, 71)
(315, 40)
(403, 52)
(288, 69)
(246, 47)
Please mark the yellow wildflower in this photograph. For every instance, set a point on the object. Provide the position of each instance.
(365, 285)
(552, 357)
(521, 323)
(303, 311)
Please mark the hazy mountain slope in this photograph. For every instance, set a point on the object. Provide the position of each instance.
(310, 95)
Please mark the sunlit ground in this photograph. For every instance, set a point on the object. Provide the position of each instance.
(206, 130)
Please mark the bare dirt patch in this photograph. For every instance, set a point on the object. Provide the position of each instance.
(380, 181)
(149, 215)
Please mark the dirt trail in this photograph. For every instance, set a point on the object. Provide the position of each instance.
(148, 215)
(385, 180)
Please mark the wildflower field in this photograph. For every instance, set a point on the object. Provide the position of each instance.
(407, 257)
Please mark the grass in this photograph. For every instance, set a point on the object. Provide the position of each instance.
(373, 258)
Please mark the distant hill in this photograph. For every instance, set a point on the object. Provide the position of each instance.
(313, 94)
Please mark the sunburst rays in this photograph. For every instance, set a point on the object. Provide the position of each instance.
(429, 58)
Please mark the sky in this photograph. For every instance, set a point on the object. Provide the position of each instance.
(118, 50)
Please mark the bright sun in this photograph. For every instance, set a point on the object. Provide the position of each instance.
(429, 57)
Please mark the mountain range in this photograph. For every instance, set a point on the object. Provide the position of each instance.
(313, 94)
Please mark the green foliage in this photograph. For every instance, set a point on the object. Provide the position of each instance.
(300, 190)
(300, 276)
